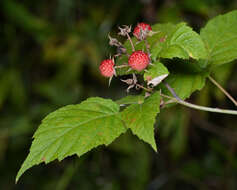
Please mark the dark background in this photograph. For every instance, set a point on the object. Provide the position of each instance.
(49, 57)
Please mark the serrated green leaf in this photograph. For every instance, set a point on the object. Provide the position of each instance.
(132, 99)
(74, 129)
(140, 118)
(220, 37)
(155, 70)
(179, 41)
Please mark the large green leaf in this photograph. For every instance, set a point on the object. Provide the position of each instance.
(178, 41)
(74, 129)
(220, 37)
(140, 118)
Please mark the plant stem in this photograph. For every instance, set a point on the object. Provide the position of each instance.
(223, 90)
(203, 108)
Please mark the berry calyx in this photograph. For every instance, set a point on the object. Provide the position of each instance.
(138, 60)
(141, 30)
(107, 68)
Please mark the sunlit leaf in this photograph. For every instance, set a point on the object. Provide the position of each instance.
(74, 129)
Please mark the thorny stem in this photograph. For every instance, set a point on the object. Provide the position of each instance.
(133, 48)
(222, 89)
(203, 108)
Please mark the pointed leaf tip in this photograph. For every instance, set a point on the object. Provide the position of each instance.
(74, 129)
(140, 118)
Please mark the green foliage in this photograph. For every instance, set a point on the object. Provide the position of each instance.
(179, 55)
(140, 118)
(74, 129)
(220, 37)
(178, 41)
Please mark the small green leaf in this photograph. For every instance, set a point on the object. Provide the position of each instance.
(140, 118)
(131, 100)
(220, 37)
(74, 129)
(155, 70)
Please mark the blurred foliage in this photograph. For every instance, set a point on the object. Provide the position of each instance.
(50, 52)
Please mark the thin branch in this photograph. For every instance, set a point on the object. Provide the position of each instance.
(203, 108)
(223, 90)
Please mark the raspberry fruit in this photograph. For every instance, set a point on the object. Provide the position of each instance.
(141, 30)
(107, 68)
(138, 60)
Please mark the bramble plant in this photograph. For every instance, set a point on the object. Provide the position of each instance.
(172, 61)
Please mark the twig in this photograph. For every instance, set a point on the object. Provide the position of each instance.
(222, 89)
(203, 108)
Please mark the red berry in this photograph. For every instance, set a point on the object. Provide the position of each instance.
(141, 26)
(107, 68)
(138, 60)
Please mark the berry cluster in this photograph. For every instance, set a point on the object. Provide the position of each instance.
(137, 61)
